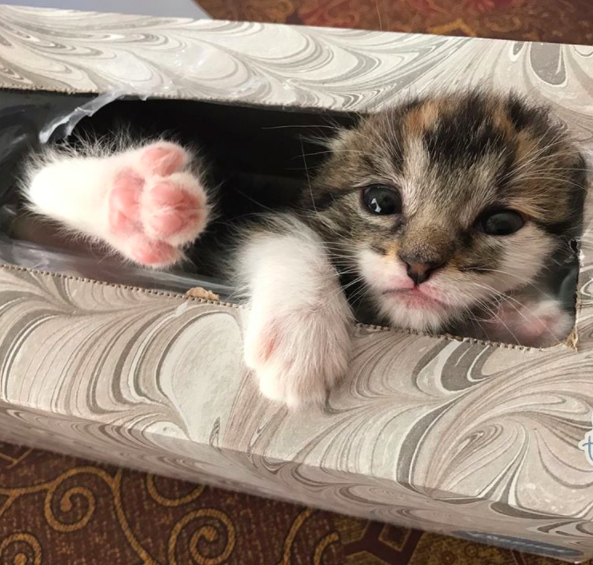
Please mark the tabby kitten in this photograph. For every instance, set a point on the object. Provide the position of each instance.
(442, 214)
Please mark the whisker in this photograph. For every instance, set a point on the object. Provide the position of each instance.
(518, 307)
(308, 178)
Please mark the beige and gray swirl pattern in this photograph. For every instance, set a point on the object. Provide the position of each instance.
(436, 433)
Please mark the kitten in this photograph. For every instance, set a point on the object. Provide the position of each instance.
(439, 212)
(446, 206)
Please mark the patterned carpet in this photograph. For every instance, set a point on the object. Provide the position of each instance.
(57, 510)
(565, 21)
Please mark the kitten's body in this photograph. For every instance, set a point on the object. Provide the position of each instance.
(435, 214)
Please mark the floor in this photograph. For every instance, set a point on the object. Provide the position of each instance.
(566, 21)
(57, 510)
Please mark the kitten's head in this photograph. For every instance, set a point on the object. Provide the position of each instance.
(443, 203)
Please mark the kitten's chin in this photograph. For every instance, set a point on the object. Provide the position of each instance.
(415, 311)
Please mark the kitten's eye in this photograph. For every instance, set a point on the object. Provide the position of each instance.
(382, 200)
(500, 222)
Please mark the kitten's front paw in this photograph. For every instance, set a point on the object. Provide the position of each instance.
(146, 203)
(534, 323)
(155, 205)
(297, 355)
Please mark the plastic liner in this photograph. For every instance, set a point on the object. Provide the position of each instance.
(32, 256)
(46, 258)
(63, 125)
(29, 120)
(23, 116)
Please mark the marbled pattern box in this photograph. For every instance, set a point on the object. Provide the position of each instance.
(460, 437)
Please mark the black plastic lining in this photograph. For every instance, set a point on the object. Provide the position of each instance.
(23, 115)
(257, 159)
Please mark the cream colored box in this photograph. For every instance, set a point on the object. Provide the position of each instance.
(477, 440)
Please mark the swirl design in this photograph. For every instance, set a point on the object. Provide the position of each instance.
(68, 503)
(425, 431)
(340, 69)
(21, 549)
(170, 502)
(145, 519)
(211, 544)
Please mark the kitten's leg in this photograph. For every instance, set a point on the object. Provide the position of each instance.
(298, 334)
(146, 202)
(534, 323)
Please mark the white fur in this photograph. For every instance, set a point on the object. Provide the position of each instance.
(535, 323)
(456, 294)
(73, 190)
(383, 274)
(72, 187)
(297, 306)
(298, 334)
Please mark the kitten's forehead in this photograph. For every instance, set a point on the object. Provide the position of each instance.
(461, 191)
(469, 152)
(452, 157)
(452, 153)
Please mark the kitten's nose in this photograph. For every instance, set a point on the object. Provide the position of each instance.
(420, 271)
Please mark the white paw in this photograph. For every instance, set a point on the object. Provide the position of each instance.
(298, 355)
(534, 323)
(144, 202)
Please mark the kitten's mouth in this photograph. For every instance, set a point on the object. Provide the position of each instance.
(414, 298)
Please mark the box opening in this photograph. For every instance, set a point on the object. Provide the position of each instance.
(254, 157)
(258, 158)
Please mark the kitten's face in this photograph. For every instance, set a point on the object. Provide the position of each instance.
(442, 204)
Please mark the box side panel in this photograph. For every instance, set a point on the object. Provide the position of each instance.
(348, 493)
(456, 420)
(281, 65)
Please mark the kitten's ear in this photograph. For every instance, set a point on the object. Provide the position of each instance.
(524, 113)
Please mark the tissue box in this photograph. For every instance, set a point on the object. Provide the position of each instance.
(482, 441)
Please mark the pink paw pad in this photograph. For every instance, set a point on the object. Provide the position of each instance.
(153, 209)
(153, 253)
(169, 209)
(163, 159)
(263, 349)
(124, 199)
